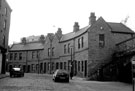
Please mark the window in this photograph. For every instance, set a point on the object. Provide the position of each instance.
(65, 65)
(79, 43)
(5, 11)
(78, 65)
(64, 49)
(4, 40)
(82, 42)
(69, 48)
(15, 56)
(4, 24)
(48, 65)
(32, 54)
(61, 65)
(101, 40)
(82, 65)
(53, 51)
(57, 65)
(20, 56)
(11, 56)
(49, 51)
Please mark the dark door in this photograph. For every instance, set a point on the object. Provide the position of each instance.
(85, 70)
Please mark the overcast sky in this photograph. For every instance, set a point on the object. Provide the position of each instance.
(36, 17)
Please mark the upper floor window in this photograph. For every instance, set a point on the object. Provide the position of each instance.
(64, 49)
(69, 48)
(82, 42)
(79, 43)
(11, 56)
(5, 11)
(101, 40)
(4, 24)
(49, 51)
(15, 56)
(20, 56)
(53, 51)
(33, 54)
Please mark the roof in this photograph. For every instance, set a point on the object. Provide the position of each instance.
(27, 46)
(116, 27)
(71, 35)
(119, 27)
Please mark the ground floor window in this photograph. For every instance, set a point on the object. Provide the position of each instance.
(65, 65)
(82, 66)
(61, 65)
(57, 65)
(78, 65)
(44, 67)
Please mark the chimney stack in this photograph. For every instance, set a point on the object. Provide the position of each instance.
(76, 27)
(92, 18)
(23, 40)
(59, 33)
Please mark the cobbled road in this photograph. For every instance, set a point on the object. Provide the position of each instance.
(43, 82)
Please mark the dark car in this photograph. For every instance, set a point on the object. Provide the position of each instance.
(61, 75)
(16, 71)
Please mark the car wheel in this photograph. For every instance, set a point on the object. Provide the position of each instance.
(67, 80)
(10, 75)
(23, 75)
(54, 79)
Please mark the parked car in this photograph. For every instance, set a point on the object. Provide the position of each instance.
(61, 75)
(16, 71)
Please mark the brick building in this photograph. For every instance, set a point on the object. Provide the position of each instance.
(26, 55)
(84, 51)
(5, 12)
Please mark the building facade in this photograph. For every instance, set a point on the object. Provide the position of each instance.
(26, 55)
(84, 51)
(5, 12)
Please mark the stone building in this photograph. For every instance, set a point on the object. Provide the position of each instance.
(84, 51)
(5, 12)
(121, 67)
(26, 55)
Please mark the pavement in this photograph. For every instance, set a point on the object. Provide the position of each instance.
(78, 78)
(4, 75)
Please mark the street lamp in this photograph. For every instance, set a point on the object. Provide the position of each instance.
(51, 36)
(71, 63)
(38, 61)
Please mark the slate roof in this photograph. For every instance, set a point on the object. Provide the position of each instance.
(119, 27)
(71, 35)
(116, 27)
(27, 46)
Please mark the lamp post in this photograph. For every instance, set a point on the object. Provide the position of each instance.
(71, 63)
(38, 61)
(50, 57)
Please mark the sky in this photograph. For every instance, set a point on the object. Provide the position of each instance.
(37, 17)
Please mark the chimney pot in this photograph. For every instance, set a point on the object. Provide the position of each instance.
(76, 27)
(92, 18)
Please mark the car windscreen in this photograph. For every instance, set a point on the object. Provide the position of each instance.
(17, 69)
(62, 72)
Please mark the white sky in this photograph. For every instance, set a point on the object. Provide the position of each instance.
(36, 17)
